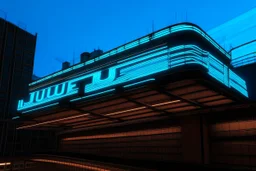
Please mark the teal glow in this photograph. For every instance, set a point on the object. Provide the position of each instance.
(250, 59)
(78, 66)
(105, 55)
(72, 87)
(236, 32)
(89, 62)
(143, 54)
(156, 35)
(131, 45)
(66, 70)
(30, 105)
(144, 40)
(40, 94)
(50, 105)
(113, 52)
(140, 82)
(237, 83)
(121, 49)
(146, 64)
(161, 33)
(16, 117)
(58, 93)
(236, 78)
(92, 95)
(244, 55)
(98, 83)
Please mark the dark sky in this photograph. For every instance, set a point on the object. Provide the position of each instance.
(68, 27)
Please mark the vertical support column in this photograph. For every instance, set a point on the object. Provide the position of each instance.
(195, 145)
(205, 140)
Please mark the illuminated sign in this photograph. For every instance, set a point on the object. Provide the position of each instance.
(140, 66)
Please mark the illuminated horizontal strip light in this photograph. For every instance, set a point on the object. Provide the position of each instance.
(5, 164)
(143, 107)
(52, 121)
(16, 117)
(139, 82)
(124, 111)
(72, 164)
(50, 105)
(77, 116)
(156, 35)
(165, 103)
(128, 134)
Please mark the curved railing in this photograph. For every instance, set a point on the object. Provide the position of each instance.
(247, 59)
(156, 35)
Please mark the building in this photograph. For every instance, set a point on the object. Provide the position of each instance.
(17, 49)
(167, 98)
(238, 37)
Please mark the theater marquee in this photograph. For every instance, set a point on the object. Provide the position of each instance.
(135, 68)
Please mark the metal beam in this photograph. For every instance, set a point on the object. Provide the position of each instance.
(94, 114)
(144, 104)
(163, 91)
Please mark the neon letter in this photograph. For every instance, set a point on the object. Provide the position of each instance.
(42, 95)
(72, 87)
(98, 83)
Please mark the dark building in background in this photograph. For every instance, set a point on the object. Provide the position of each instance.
(238, 37)
(245, 64)
(17, 49)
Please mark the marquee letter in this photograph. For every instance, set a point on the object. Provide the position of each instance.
(42, 95)
(72, 89)
(98, 83)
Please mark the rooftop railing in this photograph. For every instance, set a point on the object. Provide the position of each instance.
(156, 35)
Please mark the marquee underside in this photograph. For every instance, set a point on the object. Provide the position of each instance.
(140, 103)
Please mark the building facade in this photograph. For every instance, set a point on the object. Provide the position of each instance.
(17, 49)
(178, 98)
(167, 98)
(238, 37)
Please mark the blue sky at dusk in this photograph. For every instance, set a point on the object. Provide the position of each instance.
(68, 28)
